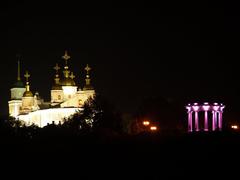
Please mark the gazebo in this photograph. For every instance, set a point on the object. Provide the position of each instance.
(215, 109)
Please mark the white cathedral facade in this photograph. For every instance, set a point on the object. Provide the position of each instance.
(66, 98)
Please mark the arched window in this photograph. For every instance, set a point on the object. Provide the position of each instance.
(80, 102)
(59, 97)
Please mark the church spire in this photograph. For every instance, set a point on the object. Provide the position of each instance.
(88, 80)
(56, 85)
(68, 78)
(66, 57)
(18, 83)
(18, 74)
(57, 79)
(27, 75)
(27, 93)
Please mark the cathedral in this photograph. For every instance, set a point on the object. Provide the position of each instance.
(66, 98)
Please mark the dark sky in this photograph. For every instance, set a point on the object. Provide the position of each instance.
(184, 52)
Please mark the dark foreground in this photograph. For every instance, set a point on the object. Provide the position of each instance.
(146, 156)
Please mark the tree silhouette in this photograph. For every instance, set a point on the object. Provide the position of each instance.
(97, 114)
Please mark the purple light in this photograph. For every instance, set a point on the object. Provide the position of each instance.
(221, 108)
(195, 108)
(188, 108)
(215, 108)
(206, 107)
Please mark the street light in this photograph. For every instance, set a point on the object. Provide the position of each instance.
(153, 128)
(146, 123)
(234, 127)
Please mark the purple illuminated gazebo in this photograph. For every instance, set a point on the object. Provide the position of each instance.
(216, 110)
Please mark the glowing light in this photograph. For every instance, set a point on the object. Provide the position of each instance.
(206, 107)
(69, 90)
(46, 116)
(234, 127)
(195, 108)
(188, 108)
(146, 123)
(215, 107)
(153, 128)
(222, 107)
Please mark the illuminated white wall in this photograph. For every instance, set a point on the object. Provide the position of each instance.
(17, 93)
(57, 96)
(42, 117)
(14, 107)
(73, 102)
(69, 92)
(84, 95)
(78, 99)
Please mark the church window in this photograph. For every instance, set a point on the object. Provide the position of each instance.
(80, 102)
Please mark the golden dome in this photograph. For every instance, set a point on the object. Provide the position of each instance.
(28, 94)
(56, 87)
(87, 87)
(67, 82)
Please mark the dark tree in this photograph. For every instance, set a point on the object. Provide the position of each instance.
(98, 114)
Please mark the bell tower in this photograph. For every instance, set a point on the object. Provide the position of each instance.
(28, 98)
(17, 91)
(68, 84)
(56, 91)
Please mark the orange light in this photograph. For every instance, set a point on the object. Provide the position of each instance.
(146, 123)
(234, 127)
(153, 128)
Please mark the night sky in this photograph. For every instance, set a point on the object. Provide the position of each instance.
(181, 52)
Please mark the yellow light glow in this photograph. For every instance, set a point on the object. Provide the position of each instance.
(69, 90)
(153, 128)
(234, 127)
(146, 123)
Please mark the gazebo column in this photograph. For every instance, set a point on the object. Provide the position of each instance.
(220, 120)
(216, 120)
(190, 128)
(206, 121)
(196, 121)
(213, 121)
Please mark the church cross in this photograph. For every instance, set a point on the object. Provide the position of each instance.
(56, 68)
(27, 75)
(72, 76)
(66, 57)
(87, 68)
